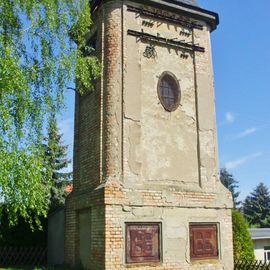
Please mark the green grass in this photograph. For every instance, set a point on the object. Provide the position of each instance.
(79, 267)
(28, 268)
(43, 268)
(24, 268)
(37, 268)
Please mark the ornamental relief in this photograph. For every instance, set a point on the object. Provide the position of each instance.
(167, 30)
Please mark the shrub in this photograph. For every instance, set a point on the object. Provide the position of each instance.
(242, 243)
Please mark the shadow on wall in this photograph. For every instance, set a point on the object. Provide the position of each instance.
(56, 237)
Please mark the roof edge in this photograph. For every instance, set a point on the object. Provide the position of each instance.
(260, 238)
(210, 17)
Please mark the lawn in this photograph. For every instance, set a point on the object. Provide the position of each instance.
(37, 268)
(43, 268)
(28, 268)
(24, 268)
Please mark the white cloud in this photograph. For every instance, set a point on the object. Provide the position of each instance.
(229, 117)
(242, 160)
(246, 132)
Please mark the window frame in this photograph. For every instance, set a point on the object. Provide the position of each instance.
(176, 90)
(266, 251)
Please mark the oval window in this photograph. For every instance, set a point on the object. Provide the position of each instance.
(169, 91)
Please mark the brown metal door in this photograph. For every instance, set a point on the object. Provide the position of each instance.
(142, 243)
(203, 241)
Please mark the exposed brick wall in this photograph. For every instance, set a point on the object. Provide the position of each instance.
(70, 232)
(112, 90)
(87, 171)
(115, 246)
(88, 130)
(94, 201)
(97, 256)
(76, 171)
(116, 194)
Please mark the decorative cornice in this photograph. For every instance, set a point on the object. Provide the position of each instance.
(211, 18)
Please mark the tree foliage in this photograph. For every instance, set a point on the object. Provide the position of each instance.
(21, 235)
(242, 243)
(231, 184)
(56, 160)
(37, 60)
(256, 207)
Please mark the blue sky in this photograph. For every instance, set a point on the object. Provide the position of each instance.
(241, 58)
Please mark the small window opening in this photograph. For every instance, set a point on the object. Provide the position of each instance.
(169, 91)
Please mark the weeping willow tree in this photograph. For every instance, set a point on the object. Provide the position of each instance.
(38, 58)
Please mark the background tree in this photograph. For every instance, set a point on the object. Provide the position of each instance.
(230, 183)
(21, 235)
(56, 162)
(256, 207)
(37, 60)
(242, 243)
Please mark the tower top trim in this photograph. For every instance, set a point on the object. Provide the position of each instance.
(187, 7)
(189, 2)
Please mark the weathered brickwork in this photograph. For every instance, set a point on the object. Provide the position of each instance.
(94, 201)
(112, 91)
(70, 233)
(89, 146)
(136, 162)
(173, 236)
(88, 132)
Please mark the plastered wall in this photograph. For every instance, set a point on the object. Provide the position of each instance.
(168, 149)
(160, 147)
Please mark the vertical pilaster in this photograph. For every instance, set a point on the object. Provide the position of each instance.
(76, 183)
(70, 232)
(112, 85)
(208, 163)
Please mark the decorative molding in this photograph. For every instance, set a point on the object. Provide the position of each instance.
(148, 23)
(150, 51)
(172, 19)
(188, 46)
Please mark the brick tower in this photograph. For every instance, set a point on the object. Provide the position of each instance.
(147, 193)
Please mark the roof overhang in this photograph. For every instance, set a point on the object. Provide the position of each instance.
(259, 233)
(211, 18)
(260, 238)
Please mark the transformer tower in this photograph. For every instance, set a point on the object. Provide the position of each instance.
(147, 193)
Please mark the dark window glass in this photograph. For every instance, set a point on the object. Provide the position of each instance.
(203, 241)
(91, 46)
(142, 242)
(169, 91)
(92, 43)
